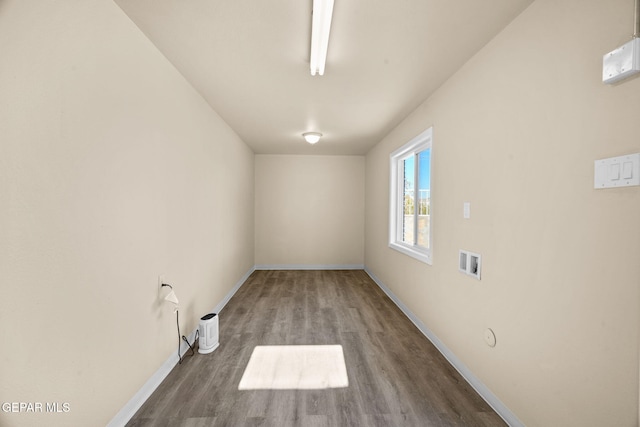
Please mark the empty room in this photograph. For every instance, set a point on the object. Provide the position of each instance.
(310, 213)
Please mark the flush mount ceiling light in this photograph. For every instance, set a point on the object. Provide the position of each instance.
(312, 137)
(320, 27)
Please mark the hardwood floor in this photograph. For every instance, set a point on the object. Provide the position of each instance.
(396, 376)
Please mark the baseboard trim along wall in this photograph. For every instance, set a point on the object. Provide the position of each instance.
(130, 409)
(493, 401)
(310, 267)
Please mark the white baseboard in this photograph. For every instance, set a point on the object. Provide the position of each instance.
(218, 308)
(130, 409)
(310, 267)
(493, 401)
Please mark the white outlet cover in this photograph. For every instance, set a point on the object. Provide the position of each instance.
(161, 280)
(622, 62)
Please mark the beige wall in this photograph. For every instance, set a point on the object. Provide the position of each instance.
(309, 210)
(516, 132)
(112, 171)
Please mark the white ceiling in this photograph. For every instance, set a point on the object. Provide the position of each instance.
(250, 60)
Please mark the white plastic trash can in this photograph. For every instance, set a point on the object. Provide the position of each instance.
(208, 331)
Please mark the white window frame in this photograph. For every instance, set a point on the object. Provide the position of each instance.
(420, 143)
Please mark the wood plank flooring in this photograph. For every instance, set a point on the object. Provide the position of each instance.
(396, 376)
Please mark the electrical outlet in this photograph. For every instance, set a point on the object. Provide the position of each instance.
(466, 210)
(160, 282)
(622, 62)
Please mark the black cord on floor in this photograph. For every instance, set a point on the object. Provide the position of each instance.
(178, 325)
(185, 339)
(194, 341)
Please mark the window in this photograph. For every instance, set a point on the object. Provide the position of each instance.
(410, 204)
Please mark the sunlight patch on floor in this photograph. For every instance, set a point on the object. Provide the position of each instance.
(291, 367)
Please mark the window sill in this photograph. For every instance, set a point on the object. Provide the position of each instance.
(422, 256)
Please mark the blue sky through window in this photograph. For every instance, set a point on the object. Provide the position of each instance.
(424, 177)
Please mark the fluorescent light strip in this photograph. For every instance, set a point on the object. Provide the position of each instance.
(322, 12)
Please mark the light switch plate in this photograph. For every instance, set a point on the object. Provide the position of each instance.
(622, 171)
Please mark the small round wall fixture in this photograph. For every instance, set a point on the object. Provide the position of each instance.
(490, 337)
(312, 137)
